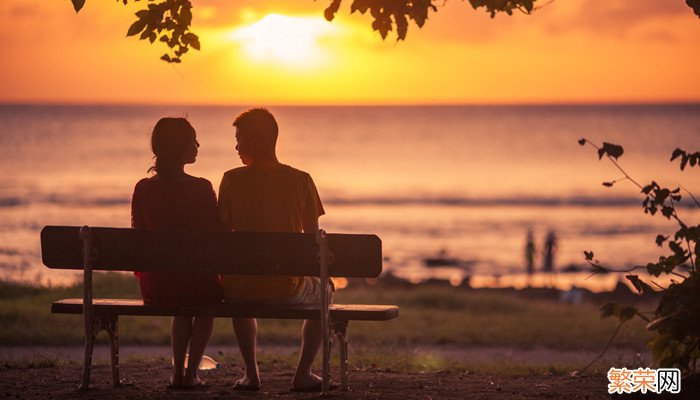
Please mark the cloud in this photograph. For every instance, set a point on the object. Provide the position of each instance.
(23, 11)
(616, 17)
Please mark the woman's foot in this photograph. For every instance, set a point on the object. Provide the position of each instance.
(192, 382)
(175, 381)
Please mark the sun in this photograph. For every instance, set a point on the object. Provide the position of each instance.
(292, 41)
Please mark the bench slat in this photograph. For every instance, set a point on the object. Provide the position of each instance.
(344, 312)
(242, 253)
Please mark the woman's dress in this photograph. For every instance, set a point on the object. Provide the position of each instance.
(177, 204)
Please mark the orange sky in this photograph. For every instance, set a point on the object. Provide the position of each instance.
(569, 51)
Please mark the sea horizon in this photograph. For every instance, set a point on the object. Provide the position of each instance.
(467, 181)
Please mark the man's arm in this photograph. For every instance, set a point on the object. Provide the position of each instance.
(224, 206)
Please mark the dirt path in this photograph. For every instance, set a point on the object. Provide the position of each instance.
(146, 380)
(534, 357)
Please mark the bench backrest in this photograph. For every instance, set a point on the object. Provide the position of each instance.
(241, 253)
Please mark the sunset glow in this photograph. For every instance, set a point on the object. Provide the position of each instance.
(285, 52)
(284, 40)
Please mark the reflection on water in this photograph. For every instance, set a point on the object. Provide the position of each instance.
(469, 180)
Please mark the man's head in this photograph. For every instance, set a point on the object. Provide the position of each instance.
(256, 136)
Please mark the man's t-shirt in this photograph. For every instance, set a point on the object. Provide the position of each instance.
(270, 199)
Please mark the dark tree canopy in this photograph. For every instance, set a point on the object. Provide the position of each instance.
(168, 21)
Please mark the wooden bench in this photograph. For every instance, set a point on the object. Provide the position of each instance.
(239, 253)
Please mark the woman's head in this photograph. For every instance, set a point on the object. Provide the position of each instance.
(174, 144)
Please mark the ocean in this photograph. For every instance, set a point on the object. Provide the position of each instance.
(461, 184)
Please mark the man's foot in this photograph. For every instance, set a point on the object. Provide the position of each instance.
(239, 385)
(312, 384)
(247, 384)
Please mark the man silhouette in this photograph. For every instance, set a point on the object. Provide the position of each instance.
(267, 196)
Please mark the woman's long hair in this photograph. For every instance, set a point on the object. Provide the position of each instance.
(169, 141)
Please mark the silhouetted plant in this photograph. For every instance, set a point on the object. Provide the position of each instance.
(676, 319)
(168, 21)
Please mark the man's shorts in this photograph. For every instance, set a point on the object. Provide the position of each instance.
(310, 293)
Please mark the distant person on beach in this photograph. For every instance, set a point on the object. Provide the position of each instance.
(530, 252)
(267, 196)
(172, 199)
(550, 248)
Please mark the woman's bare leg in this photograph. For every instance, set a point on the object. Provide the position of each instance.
(201, 332)
(181, 329)
(246, 330)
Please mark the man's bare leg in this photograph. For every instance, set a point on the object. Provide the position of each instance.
(311, 338)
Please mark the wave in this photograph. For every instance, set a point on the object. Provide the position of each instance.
(67, 200)
(496, 201)
(81, 200)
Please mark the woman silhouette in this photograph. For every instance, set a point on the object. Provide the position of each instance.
(172, 199)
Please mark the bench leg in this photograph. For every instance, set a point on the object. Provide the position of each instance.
(340, 330)
(87, 360)
(111, 325)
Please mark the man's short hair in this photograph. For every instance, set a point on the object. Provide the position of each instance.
(259, 123)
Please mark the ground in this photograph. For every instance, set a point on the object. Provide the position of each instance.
(146, 379)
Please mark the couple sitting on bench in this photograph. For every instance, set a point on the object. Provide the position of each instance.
(262, 196)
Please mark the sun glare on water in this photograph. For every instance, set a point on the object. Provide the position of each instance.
(285, 40)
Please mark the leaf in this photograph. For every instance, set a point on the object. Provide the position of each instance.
(401, 26)
(677, 153)
(661, 195)
(588, 255)
(165, 58)
(136, 27)
(647, 189)
(667, 211)
(660, 239)
(620, 311)
(695, 5)
(655, 269)
(636, 282)
(331, 10)
(612, 150)
(189, 37)
(626, 313)
(359, 5)
(684, 161)
(186, 16)
(608, 184)
(78, 4)
(676, 248)
(582, 141)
